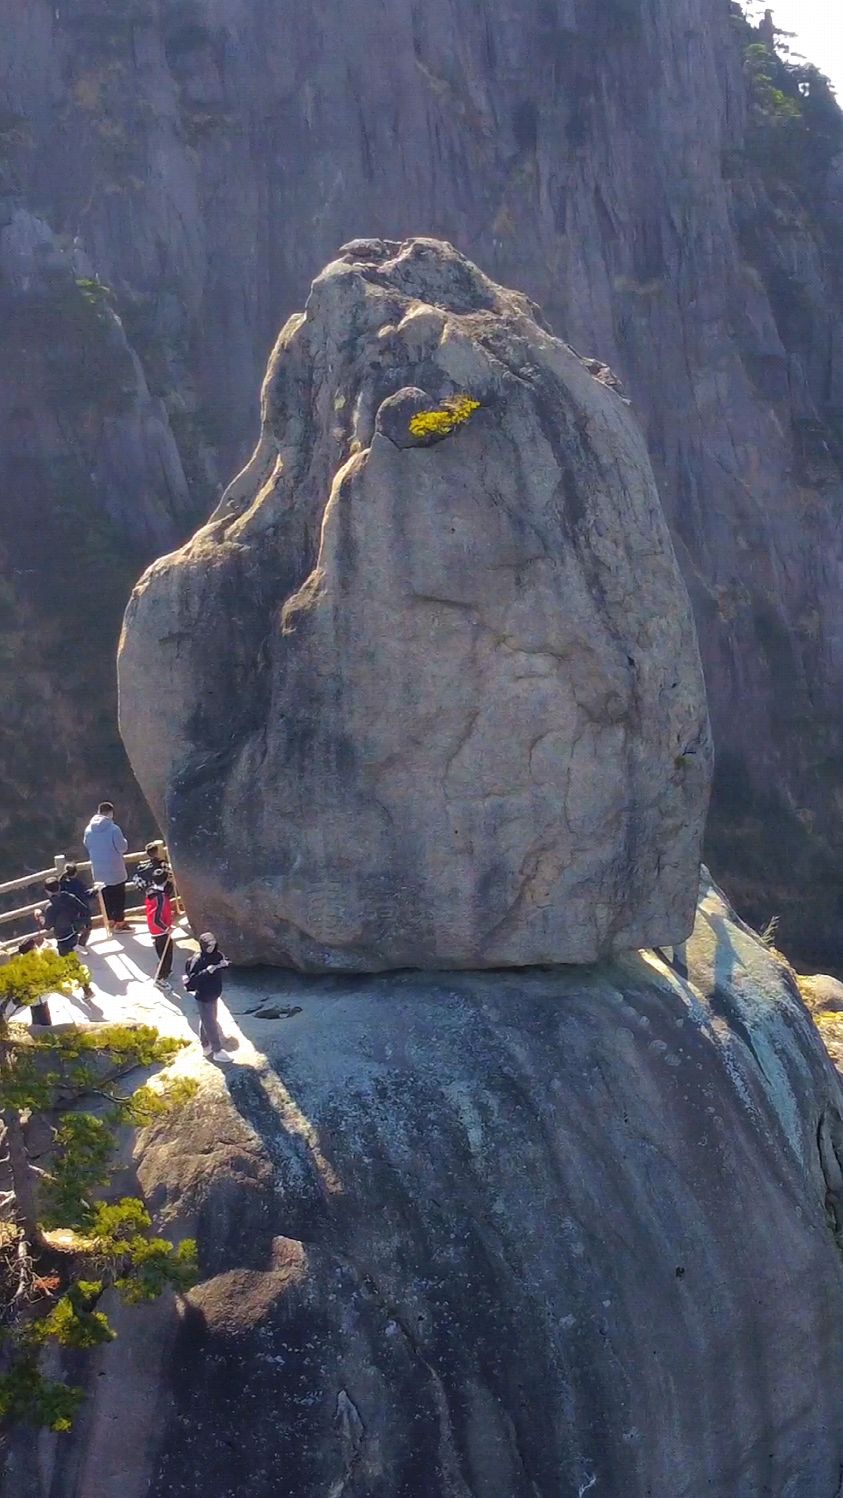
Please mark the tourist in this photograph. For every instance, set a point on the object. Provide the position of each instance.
(63, 915)
(203, 978)
(40, 1010)
(154, 863)
(159, 919)
(106, 846)
(71, 882)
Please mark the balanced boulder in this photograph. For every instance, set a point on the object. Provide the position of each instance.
(425, 691)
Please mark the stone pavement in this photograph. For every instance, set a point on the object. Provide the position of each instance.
(122, 968)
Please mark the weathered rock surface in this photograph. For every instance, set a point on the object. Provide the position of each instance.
(607, 159)
(500, 1235)
(821, 992)
(426, 698)
(91, 489)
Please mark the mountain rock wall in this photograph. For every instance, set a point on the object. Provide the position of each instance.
(627, 165)
(91, 487)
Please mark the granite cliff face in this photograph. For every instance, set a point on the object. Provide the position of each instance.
(425, 691)
(91, 487)
(532, 1235)
(627, 165)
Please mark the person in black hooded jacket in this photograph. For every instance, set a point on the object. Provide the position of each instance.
(71, 882)
(64, 916)
(203, 978)
(153, 865)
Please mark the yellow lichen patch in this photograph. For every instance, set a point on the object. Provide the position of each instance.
(830, 1026)
(451, 414)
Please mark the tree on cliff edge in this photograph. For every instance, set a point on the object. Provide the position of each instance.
(61, 1246)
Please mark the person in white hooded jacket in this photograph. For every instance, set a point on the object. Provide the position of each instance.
(106, 846)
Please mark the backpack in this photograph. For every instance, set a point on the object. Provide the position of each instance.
(80, 917)
(71, 915)
(145, 875)
(159, 911)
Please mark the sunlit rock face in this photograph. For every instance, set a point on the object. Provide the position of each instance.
(425, 691)
(200, 161)
(512, 1235)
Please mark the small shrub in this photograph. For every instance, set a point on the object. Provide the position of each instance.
(30, 976)
(452, 413)
(796, 125)
(95, 293)
(770, 932)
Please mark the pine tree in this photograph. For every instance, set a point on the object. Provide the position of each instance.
(61, 1244)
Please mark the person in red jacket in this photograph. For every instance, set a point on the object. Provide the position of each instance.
(159, 919)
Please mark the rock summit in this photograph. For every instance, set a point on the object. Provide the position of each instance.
(425, 691)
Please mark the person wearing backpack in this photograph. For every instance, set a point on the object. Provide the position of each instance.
(159, 919)
(203, 978)
(63, 915)
(153, 864)
(71, 882)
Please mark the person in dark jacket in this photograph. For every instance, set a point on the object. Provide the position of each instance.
(159, 919)
(71, 882)
(154, 863)
(203, 978)
(64, 916)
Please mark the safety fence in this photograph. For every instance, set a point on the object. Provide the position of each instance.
(21, 919)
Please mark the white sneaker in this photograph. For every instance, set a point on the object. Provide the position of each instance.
(221, 1056)
(208, 1054)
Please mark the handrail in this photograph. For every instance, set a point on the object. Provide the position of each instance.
(23, 911)
(56, 871)
(6, 889)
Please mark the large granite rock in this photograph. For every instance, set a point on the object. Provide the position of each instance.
(425, 691)
(607, 159)
(517, 1235)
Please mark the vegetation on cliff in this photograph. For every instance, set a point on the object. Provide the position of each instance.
(63, 1103)
(796, 125)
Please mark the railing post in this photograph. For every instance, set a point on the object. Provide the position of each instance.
(106, 922)
(61, 864)
(178, 903)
